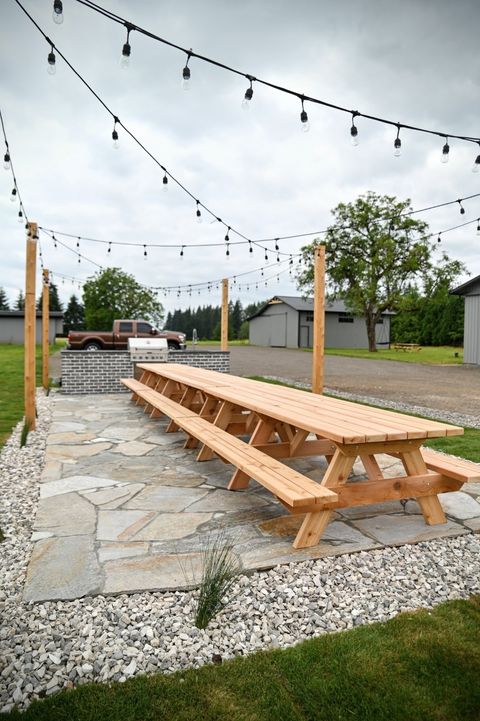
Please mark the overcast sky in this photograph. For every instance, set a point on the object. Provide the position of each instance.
(413, 61)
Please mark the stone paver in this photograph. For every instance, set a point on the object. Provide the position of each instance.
(124, 507)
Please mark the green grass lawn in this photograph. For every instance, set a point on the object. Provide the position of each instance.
(429, 355)
(421, 666)
(11, 385)
(466, 446)
(217, 343)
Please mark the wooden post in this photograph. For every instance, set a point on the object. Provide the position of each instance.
(30, 325)
(45, 329)
(318, 320)
(224, 332)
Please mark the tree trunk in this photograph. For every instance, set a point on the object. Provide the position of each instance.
(371, 322)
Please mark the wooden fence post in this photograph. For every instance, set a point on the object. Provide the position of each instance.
(45, 329)
(224, 331)
(30, 325)
(318, 320)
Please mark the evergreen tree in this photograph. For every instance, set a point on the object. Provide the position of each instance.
(20, 302)
(74, 317)
(236, 319)
(3, 300)
(54, 302)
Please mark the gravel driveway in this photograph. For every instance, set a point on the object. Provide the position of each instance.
(448, 388)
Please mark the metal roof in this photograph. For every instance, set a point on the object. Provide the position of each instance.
(306, 304)
(466, 287)
(21, 314)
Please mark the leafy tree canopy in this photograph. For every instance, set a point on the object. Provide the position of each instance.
(112, 294)
(375, 253)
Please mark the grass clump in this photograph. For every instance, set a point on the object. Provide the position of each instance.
(220, 569)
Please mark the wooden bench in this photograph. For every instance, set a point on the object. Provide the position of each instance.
(293, 489)
(457, 468)
(407, 346)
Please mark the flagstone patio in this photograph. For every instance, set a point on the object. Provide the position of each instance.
(124, 507)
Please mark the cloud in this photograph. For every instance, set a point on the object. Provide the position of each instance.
(408, 61)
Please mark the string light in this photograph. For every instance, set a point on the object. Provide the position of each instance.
(305, 126)
(248, 94)
(462, 209)
(20, 216)
(13, 195)
(57, 12)
(78, 242)
(51, 67)
(478, 226)
(250, 247)
(439, 239)
(476, 164)
(397, 144)
(445, 152)
(6, 160)
(181, 252)
(125, 59)
(198, 212)
(186, 73)
(165, 183)
(116, 143)
(144, 251)
(354, 130)
(109, 250)
(227, 237)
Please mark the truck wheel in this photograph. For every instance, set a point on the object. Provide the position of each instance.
(172, 345)
(92, 345)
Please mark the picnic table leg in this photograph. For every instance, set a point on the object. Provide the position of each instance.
(314, 524)
(261, 434)
(186, 401)
(371, 466)
(430, 505)
(222, 420)
(209, 407)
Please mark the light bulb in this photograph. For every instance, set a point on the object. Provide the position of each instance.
(116, 143)
(476, 165)
(199, 216)
(247, 98)
(354, 135)
(51, 67)
(398, 148)
(186, 78)
(6, 161)
(165, 184)
(478, 227)
(125, 59)
(304, 120)
(445, 153)
(13, 196)
(20, 217)
(57, 12)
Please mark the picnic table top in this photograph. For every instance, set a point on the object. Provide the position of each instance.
(338, 420)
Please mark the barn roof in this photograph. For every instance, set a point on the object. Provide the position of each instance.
(465, 288)
(305, 304)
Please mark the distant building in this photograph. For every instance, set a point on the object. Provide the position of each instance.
(287, 322)
(471, 333)
(12, 322)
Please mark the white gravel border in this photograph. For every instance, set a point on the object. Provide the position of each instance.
(48, 646)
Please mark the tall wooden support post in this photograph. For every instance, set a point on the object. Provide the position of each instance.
(224, 332)
(45, 329)
(29, 325)
(318, 320)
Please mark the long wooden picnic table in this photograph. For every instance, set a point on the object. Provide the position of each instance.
(283, 422)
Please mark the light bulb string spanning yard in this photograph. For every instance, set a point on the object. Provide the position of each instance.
(145, 149)
(8, 164)
(254, 78)
(256, 242)
(205, 284)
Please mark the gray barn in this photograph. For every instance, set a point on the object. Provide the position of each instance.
(287, 322)
(12, 321)
(471, 336)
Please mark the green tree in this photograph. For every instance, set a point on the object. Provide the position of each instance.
(236, 319)
(74, 316)
(20, 302)
(375, 252)
(3, 300)
(112, 294)
(54, 302)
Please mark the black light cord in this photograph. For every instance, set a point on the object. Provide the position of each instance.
(12, 170)
(301, 96)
